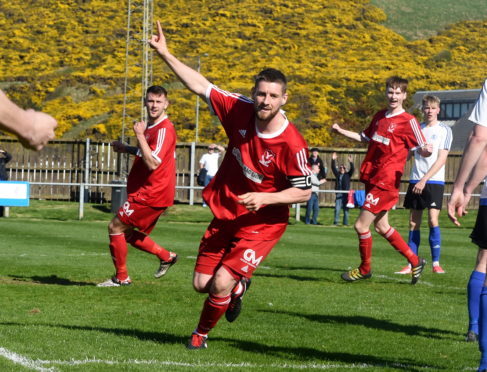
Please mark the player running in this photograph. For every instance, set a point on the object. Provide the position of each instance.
(264, 169)
(427, 183)
(151, 187)
(391, 134)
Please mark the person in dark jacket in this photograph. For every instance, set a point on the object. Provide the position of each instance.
(342, 182)
(5, 157)
(315, 159)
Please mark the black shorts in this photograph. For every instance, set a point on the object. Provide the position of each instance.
(430, 198)
(479, 232)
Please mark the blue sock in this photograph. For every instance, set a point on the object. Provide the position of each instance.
(474, 289)
(435, 243)
(483, 330)
(414, 240)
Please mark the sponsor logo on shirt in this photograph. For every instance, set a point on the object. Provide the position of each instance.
(126, 209)
(371, 200)
(267, 157)
(249, 173)
(250, 259)
(378, 138)
(391, 128)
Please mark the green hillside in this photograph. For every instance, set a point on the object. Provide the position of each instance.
(418, 19)
(67, 57)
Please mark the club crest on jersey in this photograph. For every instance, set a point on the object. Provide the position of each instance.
(267, 157)
(391, 128)
(242, 132)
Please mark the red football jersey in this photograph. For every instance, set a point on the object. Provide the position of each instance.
(156, 187)
(254, 162)
(390, 139)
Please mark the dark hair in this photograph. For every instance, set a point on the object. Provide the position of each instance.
(271, 75)
(314, 149)
(397, 82)
(157, 90)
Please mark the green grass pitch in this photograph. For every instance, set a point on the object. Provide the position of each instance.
(298, 314)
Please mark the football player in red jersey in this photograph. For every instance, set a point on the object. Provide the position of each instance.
(151, 187)
(391, 134)
(265, 168)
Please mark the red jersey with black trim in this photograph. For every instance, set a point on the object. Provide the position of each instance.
(390, 138)
(254, 162)
(157, 187)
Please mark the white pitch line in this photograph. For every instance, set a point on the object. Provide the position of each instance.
(246, 365)
(38, 365)
(24, 361)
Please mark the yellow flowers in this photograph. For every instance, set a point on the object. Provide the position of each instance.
(70, 60)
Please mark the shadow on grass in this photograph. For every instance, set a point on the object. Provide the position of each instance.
(294, 277)
(311, 268)
(301, 353)
(310, 354)
(52, 279)
(163, 338)
(379, 324)
(102, 208)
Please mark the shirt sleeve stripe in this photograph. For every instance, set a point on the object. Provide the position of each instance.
(161, 134)
(302, 162)
(417, 132)
(448, 138)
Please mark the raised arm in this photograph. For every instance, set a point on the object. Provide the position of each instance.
(192, 79)
(347, 133)
(33, 129)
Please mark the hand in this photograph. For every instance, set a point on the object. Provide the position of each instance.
(335, 127)
(350, 158)
(253, 201)
(139, 127)
(118, 146)
(40, 130)
(427, 149)
(334, 156)
(158, 42)
(457, 205)
(419, 187)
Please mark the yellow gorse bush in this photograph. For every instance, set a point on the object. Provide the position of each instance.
(68, 58)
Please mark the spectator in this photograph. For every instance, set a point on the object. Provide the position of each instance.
(342, 182)
(209, 161)
(315, 159)
(5, 157)
(313, 204)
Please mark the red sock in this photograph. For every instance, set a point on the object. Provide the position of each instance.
(118, 249)
(365, 248)
(396, 240)
(141, 241)
(213, 309)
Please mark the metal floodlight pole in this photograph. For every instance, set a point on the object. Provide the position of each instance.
(197, 119)
(139, 22)
(125, 84)
(146, 52)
